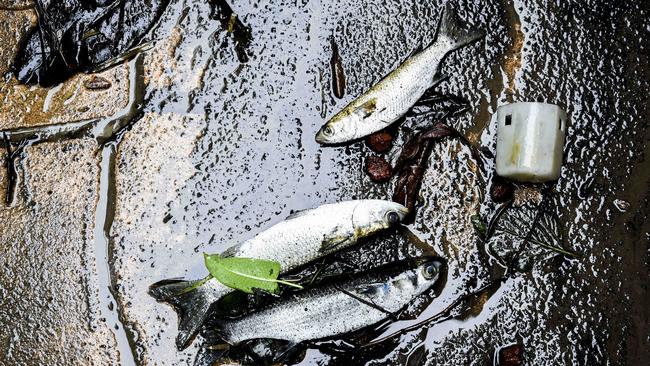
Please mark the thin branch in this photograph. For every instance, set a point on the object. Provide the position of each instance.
(443, 315)
(366, 302)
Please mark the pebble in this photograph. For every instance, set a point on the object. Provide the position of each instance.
(380, 142)
(378, 169)
(97, 83)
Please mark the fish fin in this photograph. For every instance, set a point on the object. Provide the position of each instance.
(330, 244)
(437, 79)
(269, 351)
(299, 213)
(261, 296)
(415, 51)
(367, 108)
(286, 352)
(230, 252)
(430, 95)
(451, 29)
(192, 305)
(335, 239)
(367, 290)
(209, 355)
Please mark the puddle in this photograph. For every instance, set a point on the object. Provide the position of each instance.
(107, 307)
(223, 149)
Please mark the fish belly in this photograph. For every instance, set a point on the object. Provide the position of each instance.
(320, 316)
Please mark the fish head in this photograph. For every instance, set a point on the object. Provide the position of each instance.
(421, 273)
(427, 272)
(371, 216)
(339, 129)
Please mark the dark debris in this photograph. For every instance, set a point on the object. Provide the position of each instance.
(378, 169)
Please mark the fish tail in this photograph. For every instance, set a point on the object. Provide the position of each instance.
(191, 302)
(450, 29)
(208, 355)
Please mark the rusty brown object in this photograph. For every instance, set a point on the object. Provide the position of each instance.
(378, 169)
(501, 190)
(380, 141)
(439, 131)
(412, 163)
(512, 355)
(410, 177)
(338, 74)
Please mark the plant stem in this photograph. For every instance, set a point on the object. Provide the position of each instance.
(289, 283)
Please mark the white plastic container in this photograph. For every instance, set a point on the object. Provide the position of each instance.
(530, 141)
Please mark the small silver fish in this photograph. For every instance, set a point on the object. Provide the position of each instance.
(335, 309)
(394, 95)
(301, 238)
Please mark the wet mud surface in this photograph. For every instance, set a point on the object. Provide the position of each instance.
(221, 150)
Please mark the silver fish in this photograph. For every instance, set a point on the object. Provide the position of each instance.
(303, 237)
(394, 95)
(334, 309)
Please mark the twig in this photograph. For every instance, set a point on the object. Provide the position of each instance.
(366, 302)
(443, 315)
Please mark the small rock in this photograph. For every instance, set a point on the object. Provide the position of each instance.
(97, 83)
(380, 142)
(378, 169)
(622, 205)
(167, 218)
(501, 190)
(512, 355)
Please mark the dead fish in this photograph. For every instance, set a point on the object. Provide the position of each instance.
(337, 308)
(338, 74)
(394, 95)
(303, 237)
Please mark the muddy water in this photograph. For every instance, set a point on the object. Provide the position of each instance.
(223, 150)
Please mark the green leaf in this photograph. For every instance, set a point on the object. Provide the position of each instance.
(246, 274)
(479, 225)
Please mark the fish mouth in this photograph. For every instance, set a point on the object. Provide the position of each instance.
(327, 138)
(402, 212)
(321, 138)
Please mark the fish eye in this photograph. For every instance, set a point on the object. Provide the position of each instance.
(328, 131)
(392, 217)
(429, 271)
